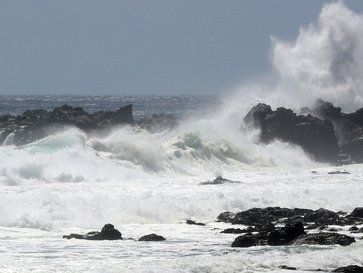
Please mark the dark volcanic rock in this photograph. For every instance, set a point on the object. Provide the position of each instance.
(324, 239)
(108, 232)
(237, 230)
(226, 217)
(261, 216)
(33, 125)
(248, 240)
(357, 212)
(152, 237)
(349, 269)
(286, 234)
(348, 127)
(338, 172)
(322, 217)
(191, 222)
(219, 180)
(287, 267)
(315, 136)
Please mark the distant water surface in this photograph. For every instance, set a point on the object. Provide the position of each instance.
(143, 105)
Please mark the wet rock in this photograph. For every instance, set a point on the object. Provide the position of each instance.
(218, 181)
(285, 235)
(348, 127)
(315, 136)
(152, 237)
(324, 239)
(226, 217)
(261, 216)
(349, 269)
(237, 230)
(191, 222)
(248, 240)
(357, 212)
(108, 232)
(353, 229)
(287, 267)
(33, 125)
(339, 172)
(322, 217)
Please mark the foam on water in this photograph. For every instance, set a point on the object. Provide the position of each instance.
(143, 182)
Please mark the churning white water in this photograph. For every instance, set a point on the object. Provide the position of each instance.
(144, 183)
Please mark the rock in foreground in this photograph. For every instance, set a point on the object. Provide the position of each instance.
(349, 269)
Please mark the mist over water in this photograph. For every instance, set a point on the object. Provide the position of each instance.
(324, 61)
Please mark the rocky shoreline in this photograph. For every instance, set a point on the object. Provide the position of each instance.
(273, 226)
(324, 132)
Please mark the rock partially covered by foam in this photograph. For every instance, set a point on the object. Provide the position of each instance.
(315, 136)
(33, 125)
(108, 232)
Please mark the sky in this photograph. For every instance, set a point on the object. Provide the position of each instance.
(142, 47)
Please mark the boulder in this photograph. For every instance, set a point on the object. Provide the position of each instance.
(226, 217)
(108, 232)
(248, 240)
(285, 235)
(324, 238)
(262, 216)
(322, 217)
(191, 222)
(357, 212)
(152, 237)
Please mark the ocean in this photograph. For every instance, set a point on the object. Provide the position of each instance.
(143, 182)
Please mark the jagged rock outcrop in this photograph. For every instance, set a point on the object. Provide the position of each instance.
(315, 136)
(348, 127)
(33, 125)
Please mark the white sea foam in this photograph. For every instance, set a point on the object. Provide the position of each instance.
(143, 182)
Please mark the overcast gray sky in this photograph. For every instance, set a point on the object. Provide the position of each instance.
(142, 47)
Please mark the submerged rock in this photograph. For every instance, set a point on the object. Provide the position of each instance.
(349, 269)
(152, 237)
(218, 181)
(287, 267)
(108, 232)
(339, 172)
